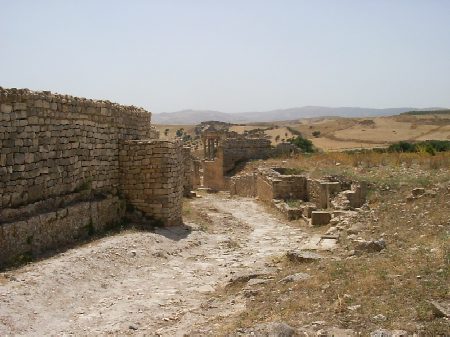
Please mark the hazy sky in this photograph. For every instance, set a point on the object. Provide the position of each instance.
(230, 55)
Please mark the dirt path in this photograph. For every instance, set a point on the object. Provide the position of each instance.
(141, 282)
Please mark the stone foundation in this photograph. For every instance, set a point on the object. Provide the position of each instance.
(296, 195)
(35, 233)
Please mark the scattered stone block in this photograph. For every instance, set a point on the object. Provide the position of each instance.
(440, 309)
(302, 256)
(279, 329)
(319, 218)
(418, 191)
(372, 246)
(295, 277)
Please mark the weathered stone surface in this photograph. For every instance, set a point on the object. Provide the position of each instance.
(52, 229)
(277, 187)
(57, 144)
(319, 218)
(59, 153)
(295, 277)
(302, 256)
(371, 246)
(418, 191)
(154, 189)
(223, 151)
(440, 309)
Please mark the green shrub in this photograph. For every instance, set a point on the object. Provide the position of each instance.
(429, 146)
(302, 143)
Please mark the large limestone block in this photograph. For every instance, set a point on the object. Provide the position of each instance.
(319, 218)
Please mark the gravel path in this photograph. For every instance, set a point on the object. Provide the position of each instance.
(136, 282)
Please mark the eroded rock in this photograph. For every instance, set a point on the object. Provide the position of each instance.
(372, 246)
(302, 256)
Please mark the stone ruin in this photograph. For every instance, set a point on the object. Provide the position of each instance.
(71, 166)
(295, 195)
(225, 150)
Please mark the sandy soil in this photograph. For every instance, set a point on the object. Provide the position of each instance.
(155, 283)
(384, 129)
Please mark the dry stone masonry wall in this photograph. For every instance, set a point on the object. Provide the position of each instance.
(296, 195)
(229, 153)
(55, 144)
(152, 178)
(236, 150)
(60, 173)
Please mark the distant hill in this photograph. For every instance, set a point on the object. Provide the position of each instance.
(190, 117)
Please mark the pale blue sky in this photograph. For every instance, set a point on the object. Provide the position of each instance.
(231, 55)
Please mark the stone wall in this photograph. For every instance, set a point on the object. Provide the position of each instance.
(317, 193)
(264, 188)
(152, 178)
(197, 164)
(268, 184)
(236, 150)
(38, 230)
(213, 175)
(60, 173)
(277, 187)
(229, 153)
(244, 185)
(188, 164)
(55, 144)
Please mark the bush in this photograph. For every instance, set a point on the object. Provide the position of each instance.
(304, 144)
(428, 146)
(180, 132)
(402, 147)
(316, 134)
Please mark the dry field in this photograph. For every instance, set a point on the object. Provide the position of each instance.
(363, 293)
(338, 133)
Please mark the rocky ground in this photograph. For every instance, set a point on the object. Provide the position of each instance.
(237, 268)
(148, 282)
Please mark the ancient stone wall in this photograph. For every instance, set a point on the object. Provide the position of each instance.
(197, 164)
(296, 195)
(244, 185)
(213, 175)
(229, 153)
(56, 144)
(317, 193)
(289, 187)
(236, 150)
(60, 173)
(36, 230)
(269, 184)
(264, 188)
(188, 164)
(152, 178)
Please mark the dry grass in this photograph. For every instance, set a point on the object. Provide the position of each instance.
(345, 133)
(350, 291)
(393, 168)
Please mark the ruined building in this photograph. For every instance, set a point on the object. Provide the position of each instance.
(296, 195)
(70, 166)
(224, 150)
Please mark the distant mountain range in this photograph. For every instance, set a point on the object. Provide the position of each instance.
(197, 116)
